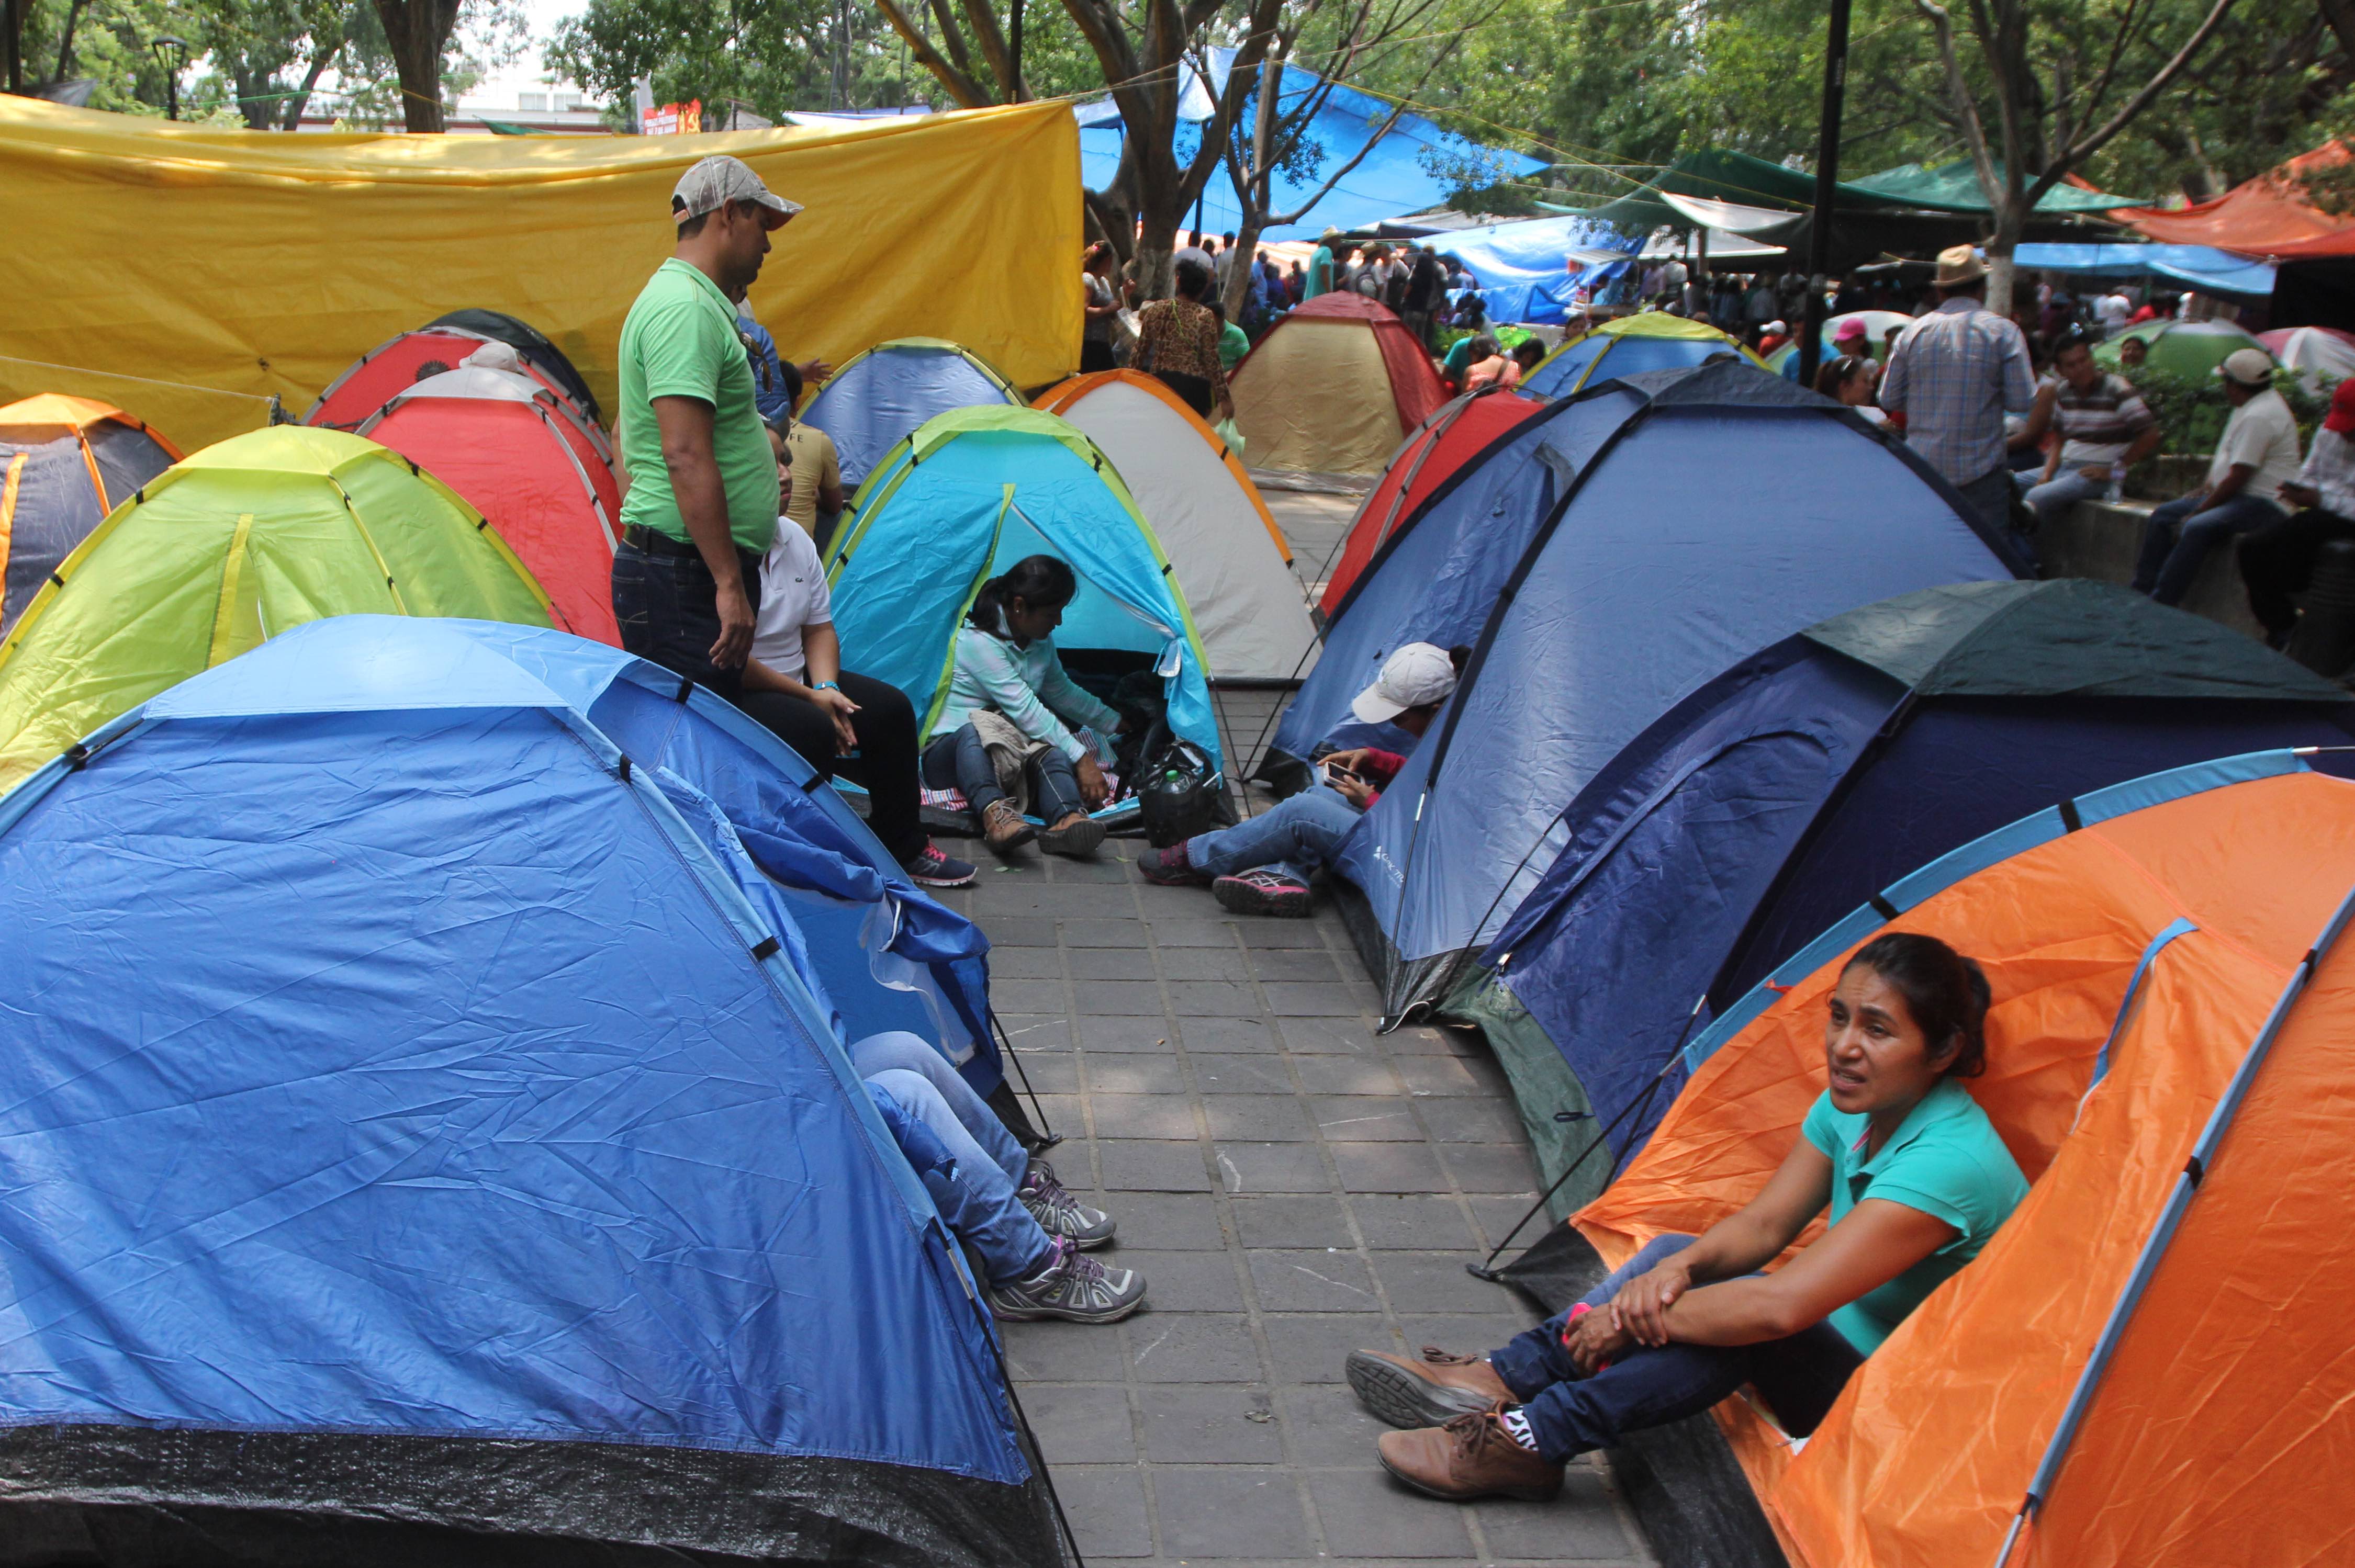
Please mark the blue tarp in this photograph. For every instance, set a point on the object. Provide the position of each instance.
(390, 1060)
(2200, 267)
(1728, 511)
(877, 400)
(1520, 266)
(974, 492)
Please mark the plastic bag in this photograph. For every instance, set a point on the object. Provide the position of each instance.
(1177, 795)
(1233, 438)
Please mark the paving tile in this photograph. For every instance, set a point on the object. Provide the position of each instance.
(1366, 1513)
(1467, 1119)
(1105, 1504)
(1063, 1352)
(1491, 1167)
(1465, 1334)
(1024, 963)
(1346, 1075)
(1167, 1222)
(1035, 1030)
(1294, 964)
(1307, 1220)
(1147, 1033)
(1228, 1036)
(1387, 1168)
(1231, 1512)
(1153, 1165)
(1067, 1111)
(1186, 1281)
(1266, 933)
(1415, 1040)
(1135, 1073)
(1328, 1036)
(1192, 933)
(1144, 1115)
(1080, 1423)
(1423, 1282)
(1438, 1075)
(1212, 1423)
(1312, 1348)
(1085, 964)
(1258, 1119)
(1103, 933)
(1192, 1348)
(1214, 998)
(1498, 1213)
(1226, 1072)
(1116, 999)
(1017, 930)
(1579, 1526)
(1273, 1168)
(1365, 1118)
(1030, 896)
(1306, 999)
(1046, 1073)
(1060, 869)
(1325, 1426)
(1390, 1221)
(1220, 963)
(1327, 1279)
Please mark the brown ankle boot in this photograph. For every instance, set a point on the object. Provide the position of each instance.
(1471, 1457)
(1002, 828)
(1426, 1393)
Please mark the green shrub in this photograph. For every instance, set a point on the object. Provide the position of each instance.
(2192, 410)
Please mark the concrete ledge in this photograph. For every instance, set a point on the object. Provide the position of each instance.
(2101, 539)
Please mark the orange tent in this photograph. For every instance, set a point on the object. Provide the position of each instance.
(65, 464)
(2271, 215)
(2155, 1349)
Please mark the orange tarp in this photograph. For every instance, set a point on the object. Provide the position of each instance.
(2223, 1432)
(2271, 215)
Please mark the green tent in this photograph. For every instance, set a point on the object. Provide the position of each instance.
(246, 538)
(2192, 350)
(1954, 187)
(1716, 174)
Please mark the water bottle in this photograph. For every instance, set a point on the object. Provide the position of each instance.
(2116, 489)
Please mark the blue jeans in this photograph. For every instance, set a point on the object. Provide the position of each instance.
(2177, 539)
(2062, 490)
(961, 759)
(1570, 1414)
(667, 607)
(1296, 835)
(980, 1196)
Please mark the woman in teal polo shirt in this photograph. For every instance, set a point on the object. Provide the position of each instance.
(1916, 1180)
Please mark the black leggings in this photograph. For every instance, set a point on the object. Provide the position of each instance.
(2277, 562)
(886, 765)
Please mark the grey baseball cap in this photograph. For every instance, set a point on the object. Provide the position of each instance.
(719, 179)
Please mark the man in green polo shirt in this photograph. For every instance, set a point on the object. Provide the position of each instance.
(703, 499)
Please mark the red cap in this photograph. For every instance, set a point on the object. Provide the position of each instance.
(2341, 416)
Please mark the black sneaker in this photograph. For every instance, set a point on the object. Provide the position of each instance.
(934, 869)
(1263, 891)
(1060, 1215)
(1170, 868)
(1073, 1287)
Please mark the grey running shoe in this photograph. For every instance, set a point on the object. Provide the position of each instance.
(1060, 1215)
(1073, 1287)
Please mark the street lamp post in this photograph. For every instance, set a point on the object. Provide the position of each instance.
(1819, 232)
(172, 54)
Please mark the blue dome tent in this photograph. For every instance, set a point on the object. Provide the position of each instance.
(1790, 790)
(879, 399)
(1728, 510)
(431, 1142)
(964, 498)
(1652, 340)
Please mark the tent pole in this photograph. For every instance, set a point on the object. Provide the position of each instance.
(1819, 234)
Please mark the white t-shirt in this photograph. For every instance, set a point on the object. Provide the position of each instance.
(2263, 433)
(793, 595)
(2114, 310)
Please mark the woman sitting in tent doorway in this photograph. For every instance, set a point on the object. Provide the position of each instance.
(1009, 697)
(1917, 1181)
(1178, 341)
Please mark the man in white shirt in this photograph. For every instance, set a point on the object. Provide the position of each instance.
(2256, 455)
(2111, 310)
(2277, 560)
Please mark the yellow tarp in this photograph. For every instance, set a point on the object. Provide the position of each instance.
(253, 262)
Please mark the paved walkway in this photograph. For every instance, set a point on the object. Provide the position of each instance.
(1292, 1185)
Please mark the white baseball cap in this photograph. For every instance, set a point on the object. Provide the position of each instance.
(1415, 676)
(712, 183)
(2249, 367)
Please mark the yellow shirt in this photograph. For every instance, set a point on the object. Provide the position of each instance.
(815, 464)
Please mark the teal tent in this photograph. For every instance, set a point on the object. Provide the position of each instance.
(973, 491)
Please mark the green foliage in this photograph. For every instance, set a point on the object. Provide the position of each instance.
(110, 44)
(2193, 409)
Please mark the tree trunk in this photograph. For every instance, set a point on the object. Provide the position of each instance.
(1239, 281)
(419, 32)
(2009, 223)
(1157, 242)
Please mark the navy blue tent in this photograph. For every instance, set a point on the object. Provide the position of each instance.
(1726, 510)
(425, 1140)
(1785, 792)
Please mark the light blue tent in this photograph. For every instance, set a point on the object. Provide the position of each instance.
(968, 495)
(878, 398)
(425, 1140)
(1725, 511)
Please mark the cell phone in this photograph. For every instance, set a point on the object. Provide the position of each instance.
(1335, 770)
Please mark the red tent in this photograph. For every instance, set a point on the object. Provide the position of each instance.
(1441, 446)
(2272, 215)
(525, 460)
(391, 368)
(1311, 395)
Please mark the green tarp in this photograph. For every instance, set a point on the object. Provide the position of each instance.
(1954, 187)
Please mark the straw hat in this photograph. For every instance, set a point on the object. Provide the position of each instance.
(1959, 264)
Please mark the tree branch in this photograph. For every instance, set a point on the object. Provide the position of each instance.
(968, 92)
(2100, 138)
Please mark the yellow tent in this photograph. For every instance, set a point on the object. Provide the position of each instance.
(246, 263)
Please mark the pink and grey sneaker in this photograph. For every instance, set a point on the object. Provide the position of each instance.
(1061, 1215)
(1264, 891)
(934, 869)
(1073, 1287)
(1170, 868)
